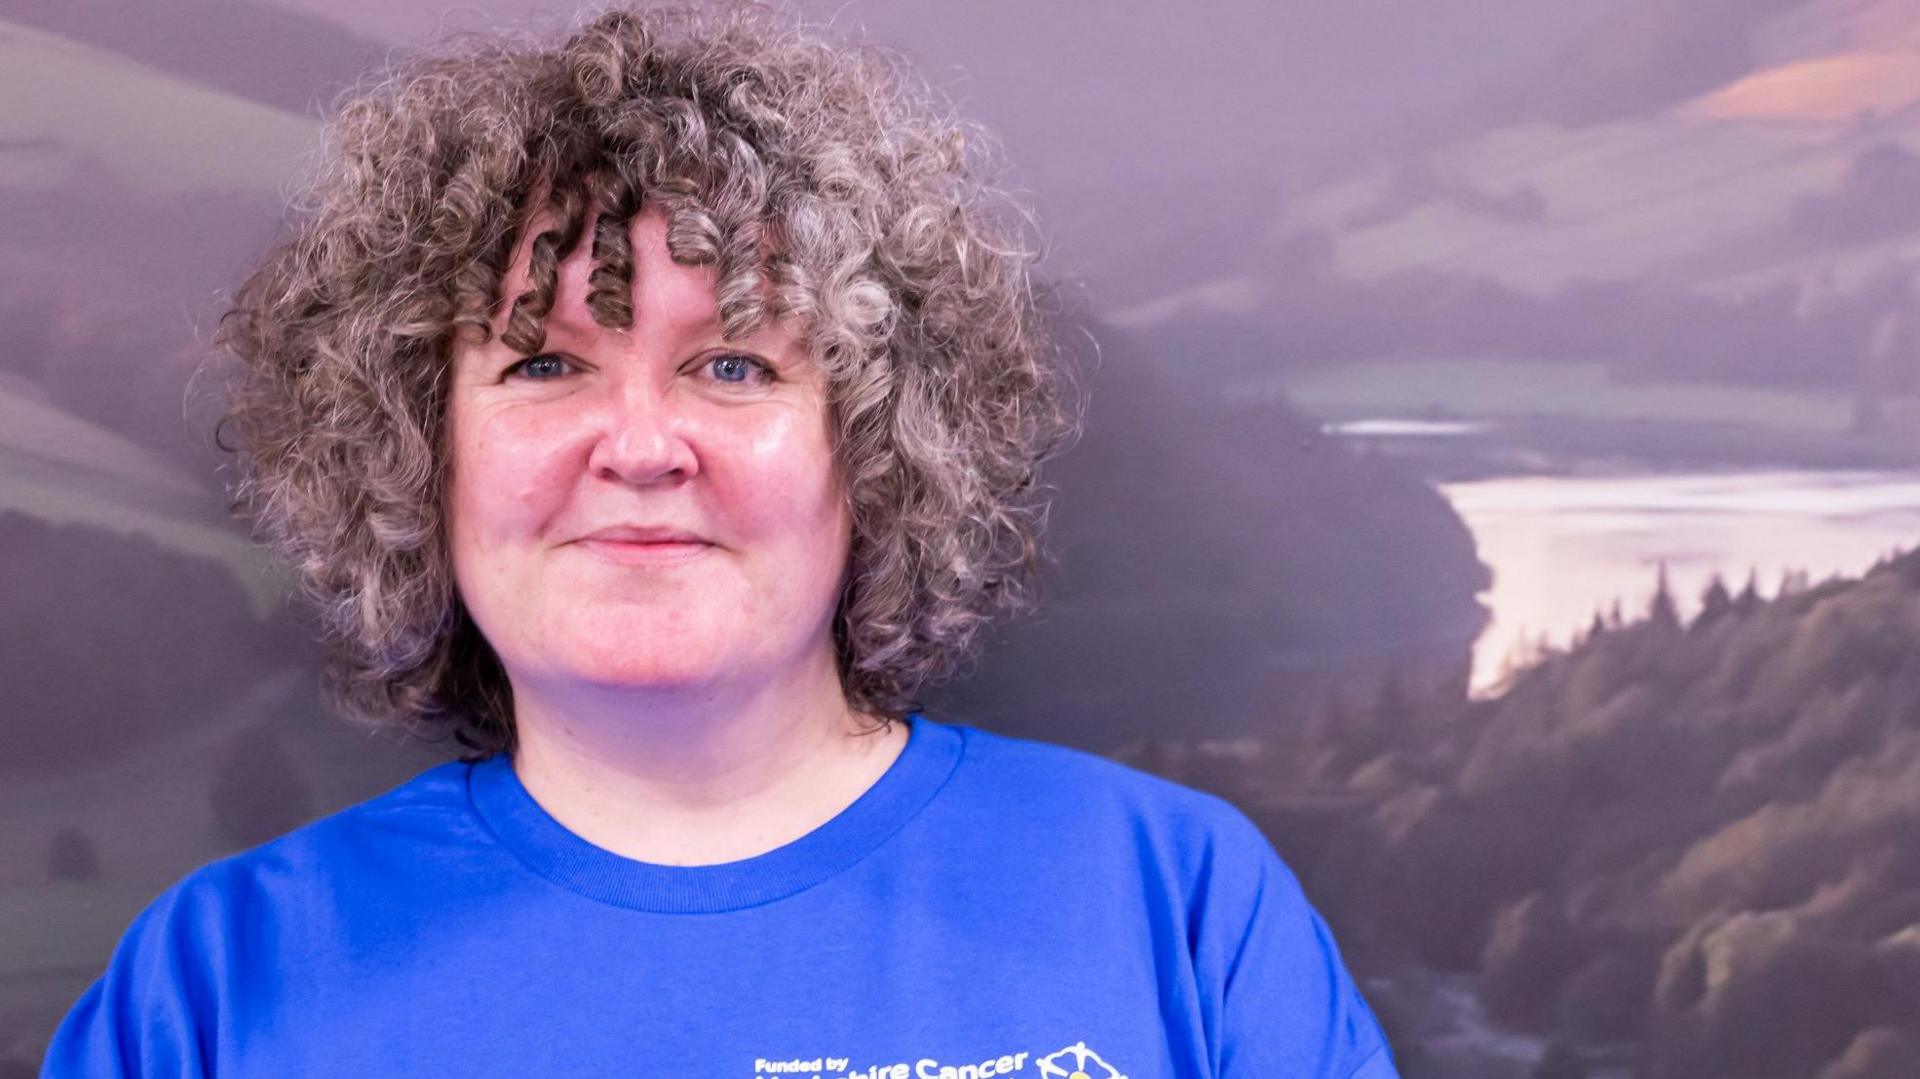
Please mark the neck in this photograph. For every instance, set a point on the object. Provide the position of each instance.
(698, 775)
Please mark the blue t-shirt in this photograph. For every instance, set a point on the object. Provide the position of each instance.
(991, 907)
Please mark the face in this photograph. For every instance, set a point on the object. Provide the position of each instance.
(566, 464)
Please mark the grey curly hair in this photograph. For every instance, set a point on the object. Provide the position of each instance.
(820, 181)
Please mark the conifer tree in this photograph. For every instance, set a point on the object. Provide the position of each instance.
(1662, 611)
(1716, 603)
(1749, 599)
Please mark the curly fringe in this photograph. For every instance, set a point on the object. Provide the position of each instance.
(821, 182)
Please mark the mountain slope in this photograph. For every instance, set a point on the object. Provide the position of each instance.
(1696, 839)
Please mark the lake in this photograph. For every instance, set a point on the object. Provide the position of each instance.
(1578, 484)
(1563, 547)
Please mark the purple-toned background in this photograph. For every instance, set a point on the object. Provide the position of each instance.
(1505, 419)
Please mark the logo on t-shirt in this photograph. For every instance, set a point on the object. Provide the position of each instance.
(1076, 1061)
(1055, 1064)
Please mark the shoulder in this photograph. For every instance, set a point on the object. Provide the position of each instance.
(388, 831)
(169, 981)
(1193, 833)
(215, 907)
(1076, 777)
(1268, 977)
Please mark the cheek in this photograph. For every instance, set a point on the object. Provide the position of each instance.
(786, 481)
(508, 473)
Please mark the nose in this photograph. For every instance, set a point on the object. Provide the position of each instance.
(642, 441)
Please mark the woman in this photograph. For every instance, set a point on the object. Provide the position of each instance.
(654, 414)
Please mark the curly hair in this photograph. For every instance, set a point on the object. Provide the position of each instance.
(822, 183)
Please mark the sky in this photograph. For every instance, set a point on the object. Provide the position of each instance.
(1126, 89)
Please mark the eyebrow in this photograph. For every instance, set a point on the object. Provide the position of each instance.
(789, 347)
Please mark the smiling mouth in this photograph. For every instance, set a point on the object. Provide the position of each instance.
(628, 552)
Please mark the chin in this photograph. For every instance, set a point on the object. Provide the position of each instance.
(647, 671)
(658, 649)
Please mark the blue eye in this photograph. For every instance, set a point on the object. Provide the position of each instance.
(541, 368)
(727, 365)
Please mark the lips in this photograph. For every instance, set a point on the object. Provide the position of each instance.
(643, 545)
(643, 534)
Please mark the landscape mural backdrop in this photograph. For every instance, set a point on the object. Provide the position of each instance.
(1502, 463)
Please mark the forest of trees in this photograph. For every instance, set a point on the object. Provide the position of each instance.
(1681, 849)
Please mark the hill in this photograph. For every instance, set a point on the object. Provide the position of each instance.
(1691, 840)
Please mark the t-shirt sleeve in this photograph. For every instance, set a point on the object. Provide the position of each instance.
(1286, 1002)
(146, 1015)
